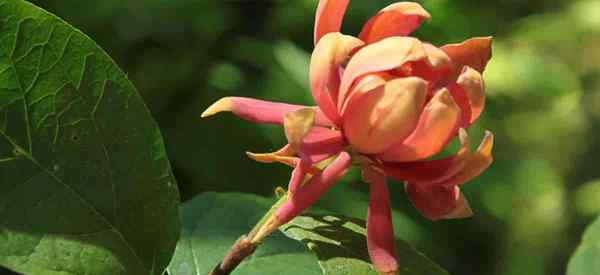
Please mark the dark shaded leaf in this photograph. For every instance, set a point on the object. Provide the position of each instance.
(85, 184)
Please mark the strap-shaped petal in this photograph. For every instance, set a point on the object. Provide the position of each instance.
(322, 143)
(312, 190)
(296, 126)
(284, 155)
(384, 116)
(437, 202)
(329, 17)
(380, 231)
(330, 53)
(384, 55)
(261, 111)
(437, 124)
(474, 52)
(398, 19)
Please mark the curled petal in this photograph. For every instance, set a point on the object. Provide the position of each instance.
(462, 101)
(384, 116)
(475, 53)
(380, 232)
(296, 125)
(430, 171)
(453, 170)
(476, 163)
(471, 86)
(365, 84)
(398, 19)
(436, 126)
(329, 17)
(437, 65)
(330, 53)
(261, 111)
(384, 55)
(437, 202)
(310, 192)
(461, 211)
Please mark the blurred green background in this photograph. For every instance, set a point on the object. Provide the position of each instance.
(543, 87)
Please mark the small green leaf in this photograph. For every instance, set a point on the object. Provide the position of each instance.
(586, 259)
(85, 184)
(213, 222)
(341, 247)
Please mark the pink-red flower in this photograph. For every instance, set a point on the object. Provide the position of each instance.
(388, 102)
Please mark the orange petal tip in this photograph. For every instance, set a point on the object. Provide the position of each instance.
(409, 8)
(462, 210)
(264, 158)
(222, 105)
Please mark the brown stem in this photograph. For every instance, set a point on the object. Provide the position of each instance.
(246, 244)
(236, 254)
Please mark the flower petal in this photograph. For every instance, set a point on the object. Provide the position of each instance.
(437, 124)
(329, 17)
(261, 111)
(470, 85)
(476, 163)
(387, 115)
(296, 125)
(284, 155)
(430, 171)
(322, 143)
(475, 53)
(380, 232)
(437, 65)
(453, 170)
(365, 84)
(384, 55)
(311, 191)
(330, 53)
(398, 19)
(437, 202)
(461, 211)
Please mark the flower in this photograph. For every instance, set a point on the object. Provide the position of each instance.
(388, 102)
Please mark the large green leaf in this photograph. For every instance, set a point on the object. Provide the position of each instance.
(213, 222)
(85, 184)
(341, 247)
(586, 259)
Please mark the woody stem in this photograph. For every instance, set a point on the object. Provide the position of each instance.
(247, 244)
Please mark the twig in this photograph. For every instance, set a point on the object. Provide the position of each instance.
(236, 254)
(247, 244)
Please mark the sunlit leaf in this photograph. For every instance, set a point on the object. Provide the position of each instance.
(586, 259)
(341, 247)
(85, 184)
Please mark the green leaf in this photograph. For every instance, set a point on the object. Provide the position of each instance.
(85, 184)
(586, 259)
(341, 247)
(212, 222)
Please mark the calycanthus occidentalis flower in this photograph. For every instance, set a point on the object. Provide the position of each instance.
(388, 102)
